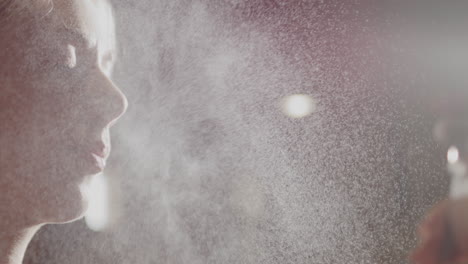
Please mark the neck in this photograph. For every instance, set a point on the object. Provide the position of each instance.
(13, 242)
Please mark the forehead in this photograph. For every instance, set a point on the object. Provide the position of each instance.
(91, 19)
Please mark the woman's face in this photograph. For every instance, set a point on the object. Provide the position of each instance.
(57, 104)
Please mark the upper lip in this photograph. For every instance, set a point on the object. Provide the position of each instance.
(101, 150)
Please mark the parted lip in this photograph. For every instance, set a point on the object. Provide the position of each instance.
(101, 150)
(99, 162)
(95, 152)
(99, 155)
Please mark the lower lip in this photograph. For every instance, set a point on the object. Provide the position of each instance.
(99, 162)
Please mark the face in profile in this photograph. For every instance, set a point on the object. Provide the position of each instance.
(57, 105)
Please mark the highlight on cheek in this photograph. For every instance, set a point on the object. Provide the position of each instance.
(107, 62)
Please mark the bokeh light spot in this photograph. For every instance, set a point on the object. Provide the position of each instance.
(298, 105)
(452, 155)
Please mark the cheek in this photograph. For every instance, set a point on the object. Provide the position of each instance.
(49, 115)
(58, 100)
(38, 117)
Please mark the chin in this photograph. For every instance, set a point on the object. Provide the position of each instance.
(66, 211)
(69, 204)
(68, 215)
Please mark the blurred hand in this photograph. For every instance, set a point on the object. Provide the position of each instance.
(444, 234)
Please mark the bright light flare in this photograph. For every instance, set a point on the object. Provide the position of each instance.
(453, 155)
(298, 105)
(97, 215)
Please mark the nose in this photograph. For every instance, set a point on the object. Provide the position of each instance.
(111, 103)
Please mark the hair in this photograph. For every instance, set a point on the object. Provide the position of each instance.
(14, 10)
(5, 6)
(16, 16)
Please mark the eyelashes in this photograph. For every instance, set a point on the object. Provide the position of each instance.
(70, 60)
(59, 58)
(106, 62)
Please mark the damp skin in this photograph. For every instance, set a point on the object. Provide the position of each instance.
(57, 106)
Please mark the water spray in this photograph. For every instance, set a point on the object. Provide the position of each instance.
(444, 232)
